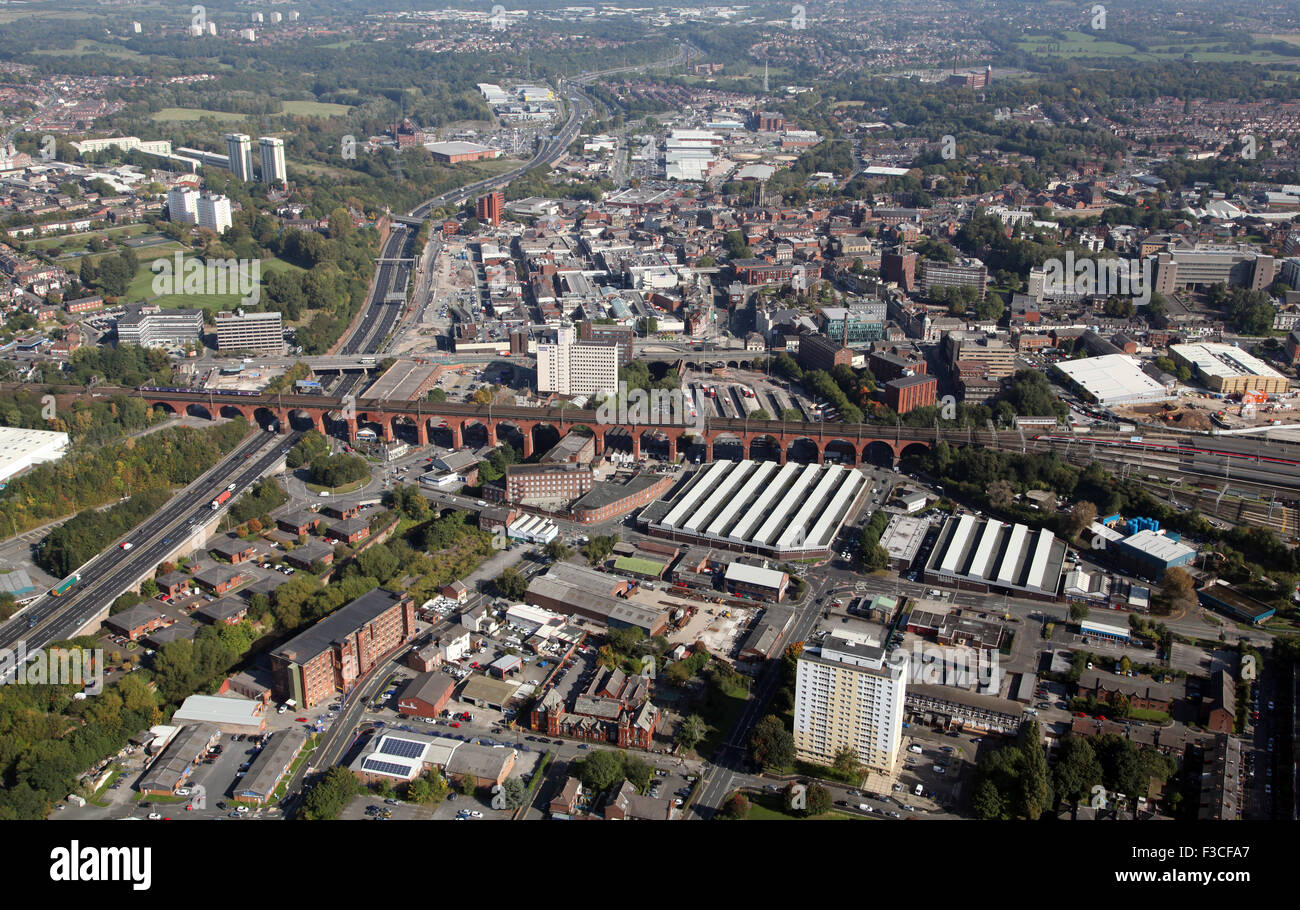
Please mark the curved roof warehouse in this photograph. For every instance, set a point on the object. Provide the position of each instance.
(989, 554)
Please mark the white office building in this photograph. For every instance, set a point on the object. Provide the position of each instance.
(272, 151)
(261, 333)
(214, 212)
(848, 695)
(577, 368)
(239, 149)
(183, 204)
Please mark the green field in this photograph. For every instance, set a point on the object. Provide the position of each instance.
(141, 287)
(72, 260)
(73, 240)
(639, 565)
(315, 109)
(179, 114)
(770, 807)
(101, 48)
(1085, 45)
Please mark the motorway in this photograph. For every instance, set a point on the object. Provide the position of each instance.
(111, 573)
(579, 109)
(391, 276)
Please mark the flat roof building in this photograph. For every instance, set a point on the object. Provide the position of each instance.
(155, 327)
(902, 539)
(756, 581)
(1229, 369)
(261, 333)
(229, 715)
(1113, 379)
(458, 152)
(1103, 630)
(1150, 553)
(1231, 602)
(21, 448)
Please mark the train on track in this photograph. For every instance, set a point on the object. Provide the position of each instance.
(1173, 448)
(220, 392)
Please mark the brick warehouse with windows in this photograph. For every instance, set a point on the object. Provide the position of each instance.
(332, 655)
(908, 393)
(547, 482)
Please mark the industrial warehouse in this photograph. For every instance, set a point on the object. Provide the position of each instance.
(982, 555)
(1228, 369)
(790, 510)
(1113, 379)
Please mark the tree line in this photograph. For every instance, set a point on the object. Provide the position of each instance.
(91, 478)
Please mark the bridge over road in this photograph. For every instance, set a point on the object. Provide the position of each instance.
(1249, 462)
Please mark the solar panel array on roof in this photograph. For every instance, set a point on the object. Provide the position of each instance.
(404, 748)
(385, 767)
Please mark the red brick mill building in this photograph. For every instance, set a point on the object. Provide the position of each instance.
(614, 709)
(331, 656)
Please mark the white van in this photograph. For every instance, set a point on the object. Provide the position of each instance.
(915, 748)
(324, 493)
(918, 790)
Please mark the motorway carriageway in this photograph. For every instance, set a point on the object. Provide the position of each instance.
(380, 317)
(111, 573)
